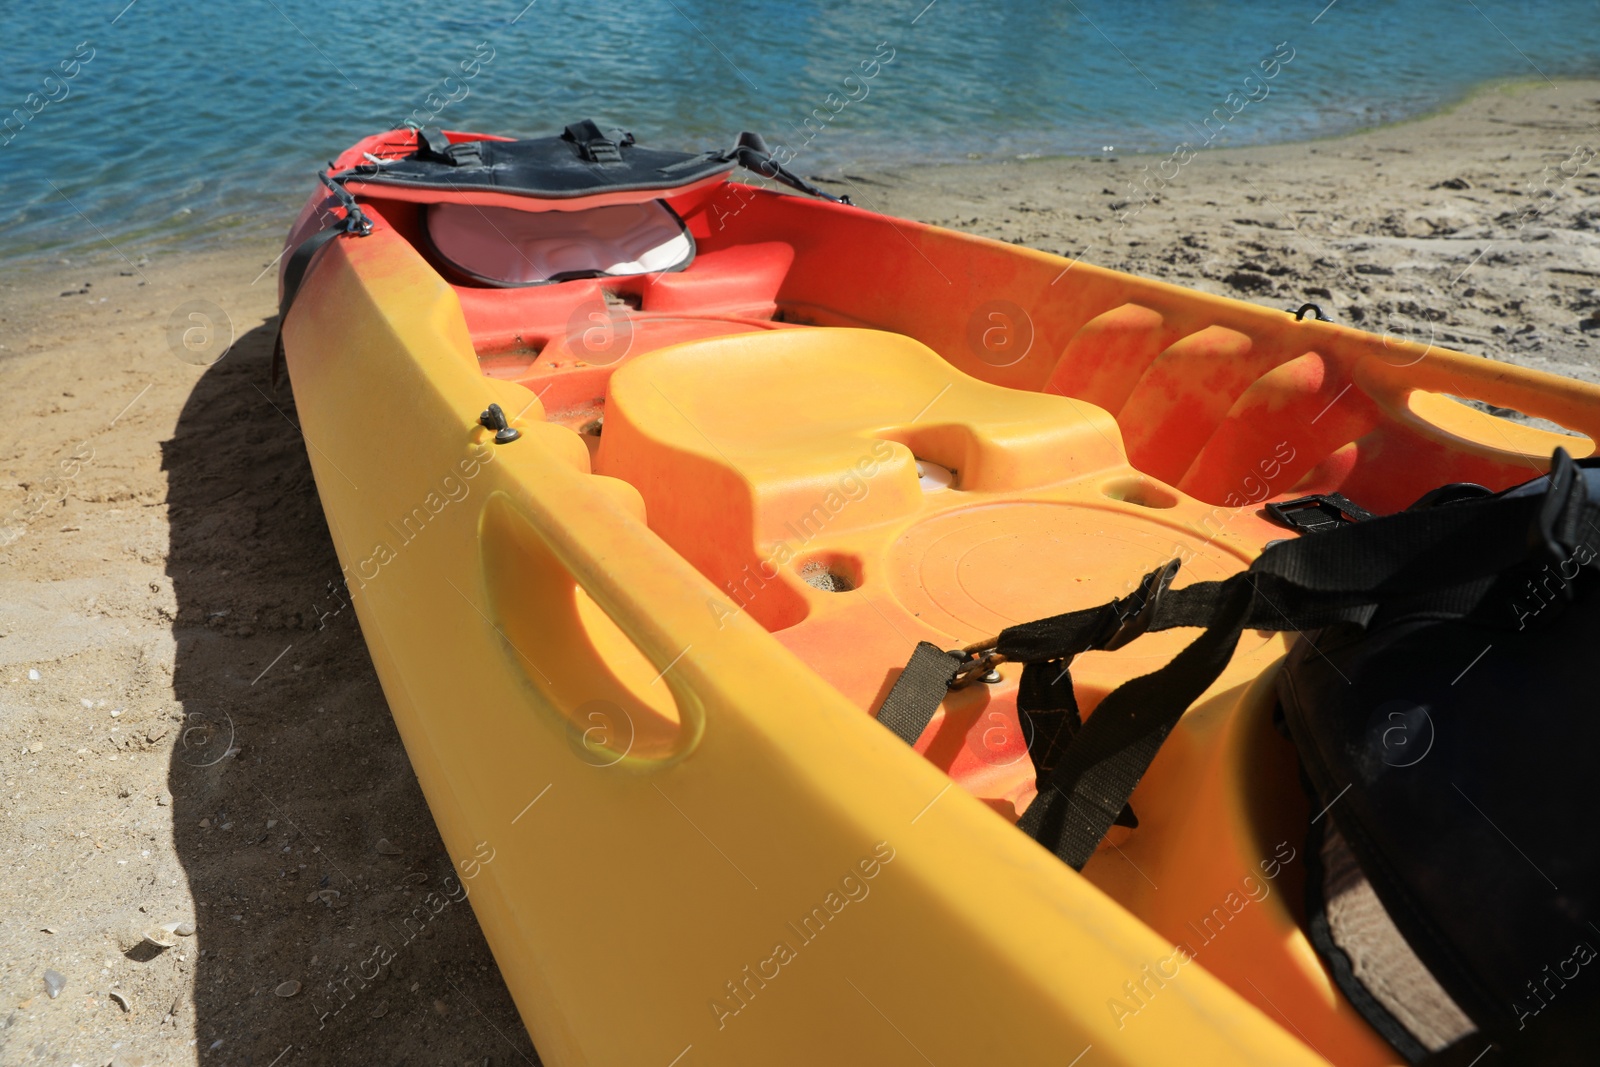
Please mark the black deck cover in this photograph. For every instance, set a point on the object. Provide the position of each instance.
(582, 161)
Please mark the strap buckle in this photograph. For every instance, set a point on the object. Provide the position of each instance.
(465, 154)
(1134, 613)
(594, 146)
(1318, 512)
(978, 661)
(1123, 620)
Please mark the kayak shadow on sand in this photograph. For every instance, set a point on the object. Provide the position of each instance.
(325, 929)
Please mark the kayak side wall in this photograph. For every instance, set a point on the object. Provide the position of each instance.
(1197, 382)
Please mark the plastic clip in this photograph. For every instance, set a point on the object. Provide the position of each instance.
(1318, 512)
(1136, 611)
(1554, 532)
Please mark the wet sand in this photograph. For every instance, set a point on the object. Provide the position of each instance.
(193, 732)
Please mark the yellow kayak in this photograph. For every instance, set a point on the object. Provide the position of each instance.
(646, 490)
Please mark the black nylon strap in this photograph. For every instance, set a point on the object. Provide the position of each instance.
(594, 146)
(916, 694)
(1082, 796)
(433, 144)
(1045, 697)
(1047, 703)
(752, 153)
(1088, 771)
(1396, 556)
(1298, 585)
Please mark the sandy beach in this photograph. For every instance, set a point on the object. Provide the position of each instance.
(209, 816)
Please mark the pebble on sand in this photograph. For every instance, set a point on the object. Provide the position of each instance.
(287, 989)
(384, 846)
(54, 983)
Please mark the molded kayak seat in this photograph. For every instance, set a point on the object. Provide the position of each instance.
(795, 465)
(754, 445)
(737, 440)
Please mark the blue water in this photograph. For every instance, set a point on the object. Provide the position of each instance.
(195, 120)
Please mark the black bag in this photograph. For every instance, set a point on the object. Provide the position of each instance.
(1442, 706)
(1455, 737)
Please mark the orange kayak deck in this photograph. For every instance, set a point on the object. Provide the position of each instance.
(785, 466)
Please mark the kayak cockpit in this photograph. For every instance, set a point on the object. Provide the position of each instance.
(556, 300)
(506, 247)
(811, 507)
